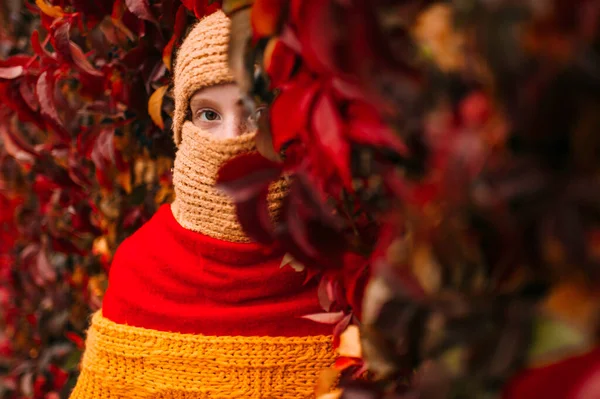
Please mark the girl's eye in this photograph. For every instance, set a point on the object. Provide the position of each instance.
(208, 115)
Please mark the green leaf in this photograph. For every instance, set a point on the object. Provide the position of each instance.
(73, 360)
(554, 339)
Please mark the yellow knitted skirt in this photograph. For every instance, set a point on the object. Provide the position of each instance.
(129, 362)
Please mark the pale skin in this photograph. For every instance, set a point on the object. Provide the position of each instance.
(219, 111)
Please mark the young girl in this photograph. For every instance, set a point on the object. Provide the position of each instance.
(193, 308)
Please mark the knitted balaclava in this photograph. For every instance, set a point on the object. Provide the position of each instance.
(202, 62)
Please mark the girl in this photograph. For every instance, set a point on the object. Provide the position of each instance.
(193, 308)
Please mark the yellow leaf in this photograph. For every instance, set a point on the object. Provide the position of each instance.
(328, 379)
(124, 180)
(155, 106)
(101, 247)
(350, 343)
(426, 269)
(335, 394)
(50, 10)
(293, 263)
(435, 33)
(164, 195)
(574, 302)
(121, 26)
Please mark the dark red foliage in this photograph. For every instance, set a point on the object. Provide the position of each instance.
(465, 134)
(82, 165)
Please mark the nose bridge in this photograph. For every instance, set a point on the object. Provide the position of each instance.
(231, 125)
(236, 123)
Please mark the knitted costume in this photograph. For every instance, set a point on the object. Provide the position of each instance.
(193, 309)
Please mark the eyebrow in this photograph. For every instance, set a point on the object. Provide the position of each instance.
(209, 102)
(203, 101)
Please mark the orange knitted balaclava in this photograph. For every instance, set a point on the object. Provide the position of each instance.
(201, 63)
(194, 309)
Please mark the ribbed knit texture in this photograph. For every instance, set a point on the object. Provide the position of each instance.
(201, 62)
(199, 206)
(129, 362)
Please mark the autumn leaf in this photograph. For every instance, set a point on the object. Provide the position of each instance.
(81, 60)
(326, 381)
(266, 17)
(350, 345)
(50, 10)
(46, 98)
(141, 9)
(287, 126)
(288, 260)
(554, 340)
(178, 32)
(155, 106)
(328, 132)
(11, 72)
(279, 62)
(16, 148)
(335, 394)
(39, 48)
(325, 318)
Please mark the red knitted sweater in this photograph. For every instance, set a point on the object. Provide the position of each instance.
(167, 278)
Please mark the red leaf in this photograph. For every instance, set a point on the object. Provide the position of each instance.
(255, 219)
(310, 274)
(45, 95)
(317, 35)
(203, 8)
(189, 4)
(11, 72)
(178, 31)
(279, 61)
(103, 156)
(366, 127)
(266, 16)
(59, 376)
(342, 363)
(297, 224)
(61, 41)
(132, 217)
(246, 180)
(45, 271)
(475, 109)
(323, 293)
(27, 91)
(286, 124)
(70, 51)
(81, 61)
(328, 132)
(15, 60)
(16, 147)
(346, 90)
(339, 328)
(247, 175)
(326, 318)
(141, 8)
(76, 339)
(39, 49)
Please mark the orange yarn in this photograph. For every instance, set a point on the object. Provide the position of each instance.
(198, 205)
(131, 362)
